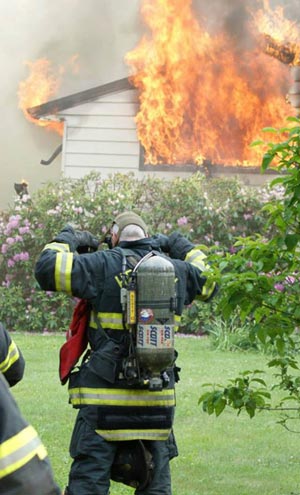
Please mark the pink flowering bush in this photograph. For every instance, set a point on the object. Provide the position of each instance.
(210, 212)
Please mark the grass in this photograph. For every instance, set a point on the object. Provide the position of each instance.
(226, 455)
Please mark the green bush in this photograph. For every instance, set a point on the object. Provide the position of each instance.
(261, 281)
(210, 212)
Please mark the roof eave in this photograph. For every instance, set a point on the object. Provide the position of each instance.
(55, 106)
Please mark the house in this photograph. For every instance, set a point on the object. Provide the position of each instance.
(100, 135)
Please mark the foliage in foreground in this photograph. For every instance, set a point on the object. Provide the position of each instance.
(262, 280)
(212, 212)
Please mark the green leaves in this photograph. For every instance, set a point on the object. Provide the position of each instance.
(242, 394)
(261, 281)
(267, 160)
(291, 241)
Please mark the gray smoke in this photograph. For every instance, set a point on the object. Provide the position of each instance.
(232, 16)
(101, 32)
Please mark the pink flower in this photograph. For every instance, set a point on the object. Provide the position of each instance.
(10, 240)
(78, 209)
(4, 248)
(182, 221)
(24, 256)
(12, 223)
(278, 286)
(24, 230)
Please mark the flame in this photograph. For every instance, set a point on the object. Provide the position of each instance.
(272, 21)
(279, 37)
(42, 85)
(201, 95)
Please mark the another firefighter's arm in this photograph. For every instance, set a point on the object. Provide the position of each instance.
(60, 267)
(24, 464)
(179, 247)
(12, 363)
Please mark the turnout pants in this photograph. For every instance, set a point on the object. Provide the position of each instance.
(93, 457)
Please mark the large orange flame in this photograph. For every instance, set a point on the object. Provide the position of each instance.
(42, 85)
(201, 95)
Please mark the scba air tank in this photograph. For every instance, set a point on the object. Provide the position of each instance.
(156, 304)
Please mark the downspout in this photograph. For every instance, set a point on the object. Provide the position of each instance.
(53, 156)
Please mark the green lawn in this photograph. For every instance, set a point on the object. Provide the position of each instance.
(228, 455)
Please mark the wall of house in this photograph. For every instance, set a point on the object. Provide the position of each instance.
(101, 136)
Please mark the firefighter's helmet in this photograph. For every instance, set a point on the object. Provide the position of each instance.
(129, 218)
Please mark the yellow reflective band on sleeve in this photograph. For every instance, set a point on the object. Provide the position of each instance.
(123, 435)
(58, 246)
(63, 271)
(196, 258)
(19, 450)
(121, 397)
(207, 290)
(12, 356)
(177, 320)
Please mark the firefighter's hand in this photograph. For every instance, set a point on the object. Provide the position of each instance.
(179, 246)
(80, 241)
(86, 242)
(162, 241)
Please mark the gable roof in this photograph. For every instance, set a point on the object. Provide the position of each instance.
(55, 106)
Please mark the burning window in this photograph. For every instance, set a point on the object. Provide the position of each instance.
(208, 94)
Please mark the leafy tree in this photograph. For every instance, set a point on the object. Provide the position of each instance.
(261, 279)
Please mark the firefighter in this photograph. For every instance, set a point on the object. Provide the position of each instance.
(122, 431)
(24, 465)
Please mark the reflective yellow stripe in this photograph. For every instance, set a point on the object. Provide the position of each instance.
(108, 320)
(114, 321)
(121, 397)
(177, 320)
(12, 356)
(207, 290)
(115, 435)
(19, 450)
(196, 257)
(63, 271)
(57, 246)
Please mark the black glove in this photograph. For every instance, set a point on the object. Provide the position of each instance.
(161, 242)
(81, 241)
(86, 242)
(179, 246)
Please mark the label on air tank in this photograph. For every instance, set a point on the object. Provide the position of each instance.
(159, 336)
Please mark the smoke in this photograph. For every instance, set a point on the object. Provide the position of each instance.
(99, 32)
(232, 16)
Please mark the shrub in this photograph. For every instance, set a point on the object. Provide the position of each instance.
(210, 212)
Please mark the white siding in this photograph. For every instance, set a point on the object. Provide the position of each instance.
(101, 136)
